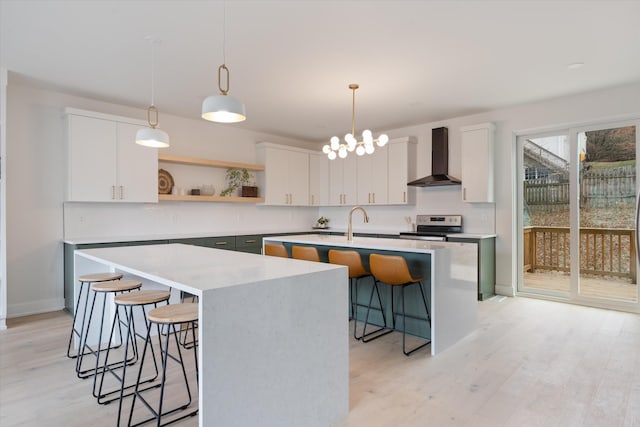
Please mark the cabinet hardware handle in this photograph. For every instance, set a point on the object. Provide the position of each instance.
(221, 243)
(374, 198)
(312, 200)
(121, 192)
(113, 192)
(464, 194)
(369, 195)
(249, 241)
(404, 197)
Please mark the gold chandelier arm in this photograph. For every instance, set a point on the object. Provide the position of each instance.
(154, 110)
(226, 89)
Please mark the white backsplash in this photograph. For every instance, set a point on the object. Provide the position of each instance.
(97, 220)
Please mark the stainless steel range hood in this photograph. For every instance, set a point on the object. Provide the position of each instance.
(439, 162)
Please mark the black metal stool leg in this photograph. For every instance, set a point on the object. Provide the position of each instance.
(366, 320)
(404, 322)
(83, 286)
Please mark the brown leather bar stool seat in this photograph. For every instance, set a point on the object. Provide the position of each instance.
(100, 288)
(393, 271)
(144, 300)
(272, 249)
(353, 260)
(169, 318)
(307, 253)
(85, 282)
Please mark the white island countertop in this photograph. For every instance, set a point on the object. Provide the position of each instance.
(401, 245)
(273, 332)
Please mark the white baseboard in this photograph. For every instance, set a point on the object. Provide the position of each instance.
(506, 290)
(3, 323)
(34, 307)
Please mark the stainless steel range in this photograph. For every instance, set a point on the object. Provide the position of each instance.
(434, 227)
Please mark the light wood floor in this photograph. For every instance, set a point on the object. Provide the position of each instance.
(529, 363)
(616, 289)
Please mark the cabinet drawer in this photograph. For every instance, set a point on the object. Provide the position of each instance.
(249, 243)
(227, 242)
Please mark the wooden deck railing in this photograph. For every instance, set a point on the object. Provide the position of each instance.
(603, 252)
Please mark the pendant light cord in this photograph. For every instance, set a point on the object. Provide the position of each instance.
(353, 112)
(153, 74)
(224, 32)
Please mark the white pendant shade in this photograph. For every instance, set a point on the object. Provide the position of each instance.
(223, 109)
(152, 137)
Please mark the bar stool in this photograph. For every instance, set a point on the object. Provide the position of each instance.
(127, 302)
(168, 316)
(393, 270)
(353, 260)
(101, 288)
(272, 249)
(85, 282)
(307, 253)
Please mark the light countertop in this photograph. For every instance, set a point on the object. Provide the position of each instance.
(195, 269)
(401, 245)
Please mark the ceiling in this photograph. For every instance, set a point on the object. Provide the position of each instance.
(291, 61)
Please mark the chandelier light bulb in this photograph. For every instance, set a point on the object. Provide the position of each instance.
(382, 140)
(335, 143)
(336, 148)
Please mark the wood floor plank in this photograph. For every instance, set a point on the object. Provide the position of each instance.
(530, 362)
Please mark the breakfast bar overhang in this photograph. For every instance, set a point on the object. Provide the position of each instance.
(273, 334)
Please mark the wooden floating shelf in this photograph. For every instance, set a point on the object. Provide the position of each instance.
(207, 162)
(178, 198)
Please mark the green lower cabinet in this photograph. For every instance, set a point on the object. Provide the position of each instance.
(486, 264)
(251, 244)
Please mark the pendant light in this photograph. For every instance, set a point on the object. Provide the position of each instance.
(350, 142)
(152, 136)
(223, 108)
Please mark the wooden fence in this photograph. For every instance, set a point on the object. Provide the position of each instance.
(599, 188)
(603, 252)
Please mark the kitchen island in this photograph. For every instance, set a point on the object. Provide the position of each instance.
(450, 272)
(273, 340)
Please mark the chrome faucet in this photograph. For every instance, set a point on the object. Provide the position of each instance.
(350, 229)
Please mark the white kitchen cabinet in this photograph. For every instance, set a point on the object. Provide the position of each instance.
(401, 169)
(342, 181)
(318, 179)
(104, 162)
(372, 177)
(286, 176)
(477, 153)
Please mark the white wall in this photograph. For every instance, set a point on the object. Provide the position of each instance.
(36, 179)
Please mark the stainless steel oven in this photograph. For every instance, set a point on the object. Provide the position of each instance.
(434, 227)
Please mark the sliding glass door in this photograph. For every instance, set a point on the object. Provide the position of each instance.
(576, 198)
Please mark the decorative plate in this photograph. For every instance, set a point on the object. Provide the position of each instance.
(165, 182)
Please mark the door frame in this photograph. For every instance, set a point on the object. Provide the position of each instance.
(572, 131)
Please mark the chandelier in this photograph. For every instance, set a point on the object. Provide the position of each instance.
(350, 144)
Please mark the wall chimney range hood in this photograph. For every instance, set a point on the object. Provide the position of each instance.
(439, 162)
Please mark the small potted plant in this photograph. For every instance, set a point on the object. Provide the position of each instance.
(240, 178)
(322, 222)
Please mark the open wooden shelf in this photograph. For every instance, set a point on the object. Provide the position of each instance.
(207, 162)
(178, 198)
(196, 161)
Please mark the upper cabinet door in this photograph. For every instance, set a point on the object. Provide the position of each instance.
(105, 163)
(402, 169)
(318, 179)
(477, 163)
(137, 167)
(372, 177)
(298, 180)
(286, 176)
(91, 159)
